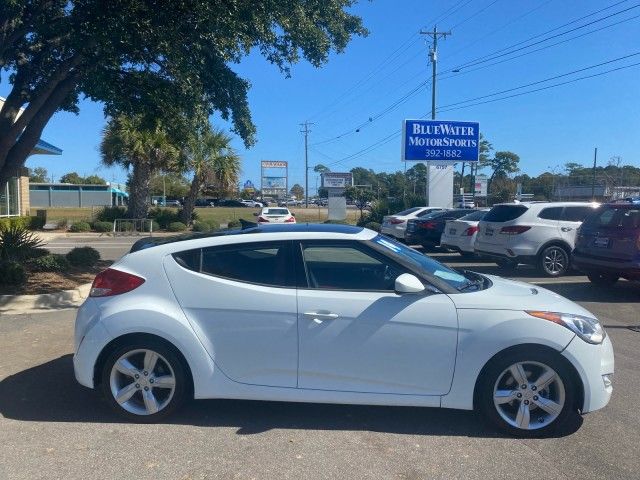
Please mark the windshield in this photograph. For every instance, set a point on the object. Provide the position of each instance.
(276, 211)
(428, 265)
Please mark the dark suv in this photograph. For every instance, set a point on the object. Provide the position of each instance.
(427, 230)
(608, 244)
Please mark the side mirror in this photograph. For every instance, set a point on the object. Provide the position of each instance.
(407, 283)
(255, 214)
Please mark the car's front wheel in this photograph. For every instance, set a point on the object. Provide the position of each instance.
(554, 261)
(528, 394)
(144, 381)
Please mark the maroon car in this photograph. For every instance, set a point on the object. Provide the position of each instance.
(608, 244)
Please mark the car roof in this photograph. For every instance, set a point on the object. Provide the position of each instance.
(544, 204)
(255, 232)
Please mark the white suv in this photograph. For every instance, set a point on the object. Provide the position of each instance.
(537, 233)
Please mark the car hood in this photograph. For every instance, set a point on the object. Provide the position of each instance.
(514, 295)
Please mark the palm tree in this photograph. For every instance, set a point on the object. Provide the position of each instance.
(142, 147)
(214, 163)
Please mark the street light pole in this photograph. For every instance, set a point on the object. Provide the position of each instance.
(306, 131)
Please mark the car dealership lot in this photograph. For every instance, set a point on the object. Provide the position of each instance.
(52, 428)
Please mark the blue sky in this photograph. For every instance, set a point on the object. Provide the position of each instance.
(546, 128)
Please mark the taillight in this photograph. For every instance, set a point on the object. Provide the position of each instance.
(262, 219)
(470, 231)
(514, 230)
(427, 225)
(290, 220)
(396, 221)
(114, 282)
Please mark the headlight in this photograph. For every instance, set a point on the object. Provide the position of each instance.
(587, 328)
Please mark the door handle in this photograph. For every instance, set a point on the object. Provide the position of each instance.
(321, 315)
(566, 229)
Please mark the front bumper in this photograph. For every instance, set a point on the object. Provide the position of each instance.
(594, 364)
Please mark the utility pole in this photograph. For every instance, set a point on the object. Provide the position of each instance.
(593, 179)
(306, 131)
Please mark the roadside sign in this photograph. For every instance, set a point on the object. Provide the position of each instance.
(442, 141)
(337, 180)
(481, 185)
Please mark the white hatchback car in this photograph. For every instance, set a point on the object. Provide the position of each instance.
(460, 235)
(537, 233)
(333, 314)
(396, 225)
(275, 215)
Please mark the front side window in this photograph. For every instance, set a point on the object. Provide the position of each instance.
(266, 263)
(348, 267)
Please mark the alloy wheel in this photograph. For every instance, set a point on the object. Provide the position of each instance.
(529, 395)
(555, 261)
(142, 382)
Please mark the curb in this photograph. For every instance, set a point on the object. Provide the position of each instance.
(46, 302)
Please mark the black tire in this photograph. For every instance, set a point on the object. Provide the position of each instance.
(603, 279)
(484, 399)
(507, 264)
(168, 355)
(554, 261)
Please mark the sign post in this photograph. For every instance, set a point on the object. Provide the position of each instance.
(440, 144)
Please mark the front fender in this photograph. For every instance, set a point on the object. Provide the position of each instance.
(485, 333)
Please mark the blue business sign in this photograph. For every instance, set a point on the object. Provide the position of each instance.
(440, 141)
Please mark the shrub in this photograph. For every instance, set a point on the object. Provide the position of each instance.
(206, 226)
(83, 257)
(23, 222)
(52, 262)
(38, 252)
(164, 216)
(154, 226)
(103, 226)
(17, 243)
(80, 226)
(177, 227)
(109, 214)
(373, 226)
(12, 273)
(234, 224)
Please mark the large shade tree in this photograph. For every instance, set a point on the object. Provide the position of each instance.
(214, 163)
(156, 58)
(143, 147)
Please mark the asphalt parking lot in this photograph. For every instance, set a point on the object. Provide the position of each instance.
(51, 428)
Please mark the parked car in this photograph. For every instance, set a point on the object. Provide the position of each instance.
(252, 203)
(231, 203)
(536, 233)
(205, 202)
(608, 244)
(460, 235)
(333, 314)
(290, 203)
(275, 215)
(172, 203)
(427, 231)
(396, 225)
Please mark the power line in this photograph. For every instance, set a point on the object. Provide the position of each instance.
(446, 107)
(474, 15)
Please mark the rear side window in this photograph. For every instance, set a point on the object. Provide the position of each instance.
(262, 263)
(551, 213)
(505, 213)
(475, 216)
(576, 214)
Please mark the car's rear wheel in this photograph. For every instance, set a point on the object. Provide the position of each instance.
(144, 381)
(529, 393)
(554, 261)
(603, 279)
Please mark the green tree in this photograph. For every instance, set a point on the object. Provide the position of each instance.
(360, 196)
(144, 148)
(297, 191)
(171, 184)
(320, 168)
(38, 175)
(94, 180)
(72, 177)
(502, 164)
(213, 162)
(323, 192)
(158, 59)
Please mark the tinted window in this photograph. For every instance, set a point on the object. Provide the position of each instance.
(347, 267)
(576, 214)
(427, 212)
(264, 263)
(408, 211)
(616, 218)
(551, 213)
(475, 216)
(505, 213)
(276, 211)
